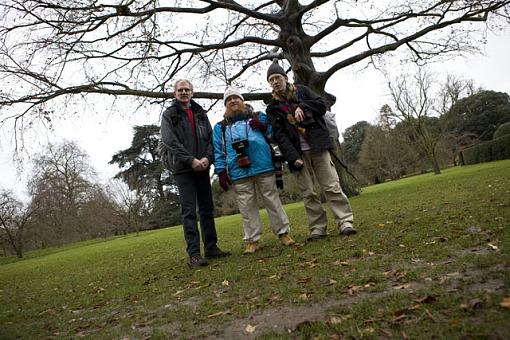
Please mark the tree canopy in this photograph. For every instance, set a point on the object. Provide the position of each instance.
(61, 48)
(479, 114)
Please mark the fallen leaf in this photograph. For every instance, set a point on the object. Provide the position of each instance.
(305, 296)
(213, 315)
(370, 284)
(274, 297)
(505, 303)
(381, 225)
(225, 282)
(403, 286)
(492, 246)
(352, 289)
(179, 292)
(335, 320)
(387, 332)
(332, 282)
(475, 303)
(425, 299)
(304, 280)
(341, 263)
(250, 329)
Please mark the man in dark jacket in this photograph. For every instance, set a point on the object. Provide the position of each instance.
(187, 136)
(297, 116)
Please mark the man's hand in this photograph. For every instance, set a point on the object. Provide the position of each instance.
(299, 114)
(298, 163)
(197, 165)
(205, 162)
(200, 164)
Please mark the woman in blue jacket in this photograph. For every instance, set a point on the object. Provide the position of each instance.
(242, 157)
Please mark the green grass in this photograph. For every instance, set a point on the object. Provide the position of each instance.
(423, 265)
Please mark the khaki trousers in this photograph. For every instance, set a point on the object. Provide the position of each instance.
(246, 190)
(318, 166)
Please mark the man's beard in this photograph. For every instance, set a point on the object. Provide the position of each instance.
(232, 112)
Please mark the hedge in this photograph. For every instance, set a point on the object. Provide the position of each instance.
(495, 149)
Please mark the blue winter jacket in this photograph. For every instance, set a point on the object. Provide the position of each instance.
(258, 149)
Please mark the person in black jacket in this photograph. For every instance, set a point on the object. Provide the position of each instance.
(297, 116)
(187, 136)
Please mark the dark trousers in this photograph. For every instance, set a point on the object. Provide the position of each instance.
(195, 187)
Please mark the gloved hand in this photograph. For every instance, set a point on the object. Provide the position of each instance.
(296, 165)
(255, 123)
(224, 180)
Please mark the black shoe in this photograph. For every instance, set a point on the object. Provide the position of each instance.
(216, 253)
(348, 231)
(196, 260)
(316, 237)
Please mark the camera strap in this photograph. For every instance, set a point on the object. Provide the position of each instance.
(224, 124)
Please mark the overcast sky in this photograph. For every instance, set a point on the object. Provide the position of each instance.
(360, 95)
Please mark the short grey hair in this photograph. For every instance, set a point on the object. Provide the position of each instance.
(182, 80)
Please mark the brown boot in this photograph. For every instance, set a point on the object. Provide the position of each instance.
(251, 247)
(286, 240)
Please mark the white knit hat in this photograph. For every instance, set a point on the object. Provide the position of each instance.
(231, 91)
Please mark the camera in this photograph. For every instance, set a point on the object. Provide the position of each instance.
(240, 146)
(278, 161)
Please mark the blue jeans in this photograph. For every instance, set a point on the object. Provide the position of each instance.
(195, 187)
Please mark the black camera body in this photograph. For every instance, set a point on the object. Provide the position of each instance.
(278, 161)
(240, 146)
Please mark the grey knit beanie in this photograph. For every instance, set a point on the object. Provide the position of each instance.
(274, 68)
(231, 91)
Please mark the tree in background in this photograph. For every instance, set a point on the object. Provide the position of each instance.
(385, 154)
(67, 199)
(353, 138)
(14, 221)
(478, 116)
(420, 103)
(143, 172)
(129, 205)
(60, 48)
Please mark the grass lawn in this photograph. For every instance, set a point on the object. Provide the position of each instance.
(431, 260)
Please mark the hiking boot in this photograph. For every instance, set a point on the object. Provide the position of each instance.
(316, 237)
(196, 260)
(251, 247)
(347, 229)
(286, 240)
(216, 253)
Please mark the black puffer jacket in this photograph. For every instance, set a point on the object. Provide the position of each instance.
(287, 135)
(178, 138)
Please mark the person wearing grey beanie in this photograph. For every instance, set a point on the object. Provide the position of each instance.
(274, 68)
(296, 114)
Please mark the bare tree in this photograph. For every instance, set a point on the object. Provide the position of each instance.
(414, 106)
(421, 103)
(130, 205)
(60, 48)
(62, 186)
(14, 218)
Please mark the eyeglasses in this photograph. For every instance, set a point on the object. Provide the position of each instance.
(183, 90)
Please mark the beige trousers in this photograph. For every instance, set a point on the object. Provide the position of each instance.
(318, 166)
(246, 190)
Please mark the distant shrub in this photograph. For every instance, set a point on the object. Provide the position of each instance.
(503, 130)
(495, 149)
